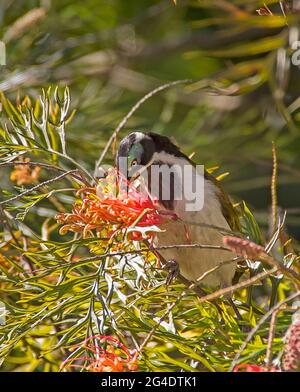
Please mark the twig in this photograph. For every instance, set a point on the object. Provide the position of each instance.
(192, 286)
(273, 187)
(269, 354)
(258, 325)
(45, 183)
(241, 285)
(136, 251)
(131, 112)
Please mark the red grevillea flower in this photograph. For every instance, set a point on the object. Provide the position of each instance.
(114, 357)
(109, 206)
(249, 368)
(246, 367)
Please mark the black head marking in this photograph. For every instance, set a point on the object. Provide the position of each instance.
(140, 147)
(163, 143)
(149, 143)
(138, 144)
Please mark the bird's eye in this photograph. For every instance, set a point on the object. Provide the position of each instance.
(134, 162)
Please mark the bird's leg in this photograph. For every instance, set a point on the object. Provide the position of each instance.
(173, 271)
(244, 328)
(235, 309)
(232, 304)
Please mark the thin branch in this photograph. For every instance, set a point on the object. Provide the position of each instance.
(45, 183)
(131, 112)
(274, 187)
(269, 355)
(278, 265)
(241, 285)
(136, 251)
(192, 286)
(259, 324)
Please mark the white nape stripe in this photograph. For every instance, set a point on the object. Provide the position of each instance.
(169, 159)
(211, 201)
(140, 136)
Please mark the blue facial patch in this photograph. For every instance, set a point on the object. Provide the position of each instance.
(135, 152)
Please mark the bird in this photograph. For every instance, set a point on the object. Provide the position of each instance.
(143, 151)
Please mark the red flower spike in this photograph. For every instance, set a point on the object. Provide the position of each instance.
(246, 367)
(116, 357)
(108, 205)
(250, 368)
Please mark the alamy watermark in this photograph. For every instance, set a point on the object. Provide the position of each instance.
(166, 183)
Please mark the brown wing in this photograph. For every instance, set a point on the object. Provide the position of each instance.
(227, 208)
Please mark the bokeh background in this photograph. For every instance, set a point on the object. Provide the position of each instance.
(244, 93)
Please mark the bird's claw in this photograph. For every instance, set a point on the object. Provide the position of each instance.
(173, 269)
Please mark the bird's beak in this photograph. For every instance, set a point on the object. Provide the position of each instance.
(133, 172)
(126, 170)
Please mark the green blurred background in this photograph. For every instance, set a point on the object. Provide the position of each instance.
(244, 93)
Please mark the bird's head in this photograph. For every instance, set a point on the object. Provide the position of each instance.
(138, 150)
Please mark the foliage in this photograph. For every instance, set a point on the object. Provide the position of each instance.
(60, 291)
